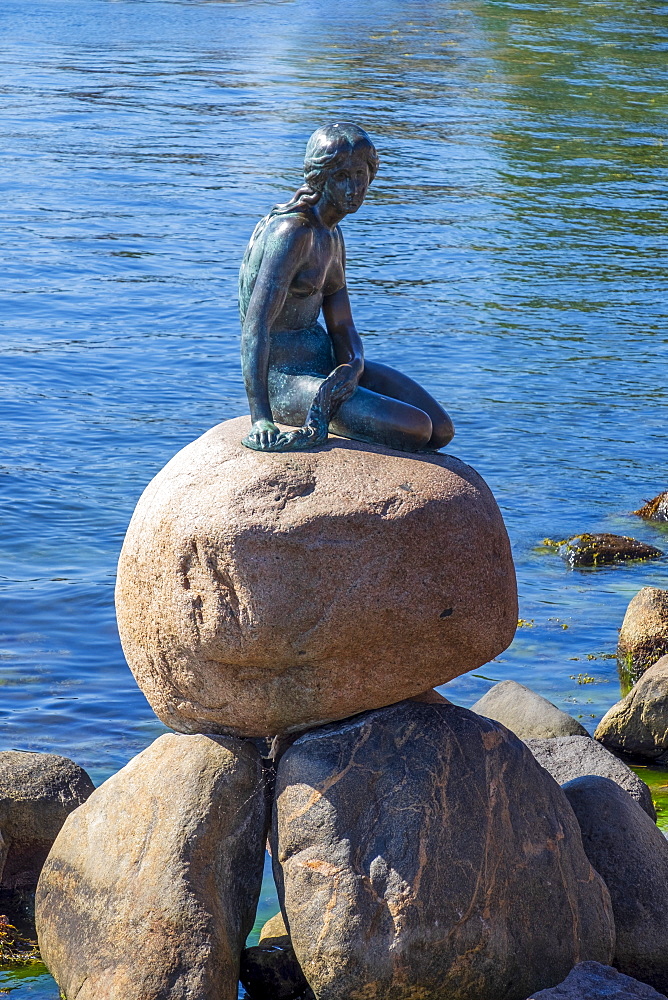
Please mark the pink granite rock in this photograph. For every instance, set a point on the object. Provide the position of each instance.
(261, 593)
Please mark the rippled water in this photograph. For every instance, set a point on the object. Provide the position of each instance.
(511, 256)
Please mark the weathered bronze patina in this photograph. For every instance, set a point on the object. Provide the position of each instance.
(297, 371)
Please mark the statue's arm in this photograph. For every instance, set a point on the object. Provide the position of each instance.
(348, 349)
(284, 253)
(347, 342)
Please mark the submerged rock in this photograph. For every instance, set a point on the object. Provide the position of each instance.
(260, 593)
(593, 981)
(151, 887)
(656, 509)
(526, 713)
(631, 854)
(638, 724)
(270, 970)
(38, 791)
(575, 756)
(599, 549)
(420, 851)
(643, 638)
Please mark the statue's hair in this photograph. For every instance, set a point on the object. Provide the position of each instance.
(325, 149)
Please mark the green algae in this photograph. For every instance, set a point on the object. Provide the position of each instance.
(656, 776)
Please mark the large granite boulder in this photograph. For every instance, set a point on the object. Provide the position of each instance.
(643, 638)
(263, 593)
(571, 757)
(151, 887)
(38, 791)
(638, 724)
(420, 851)
(526, 713)
(631, 855)
(593, 981)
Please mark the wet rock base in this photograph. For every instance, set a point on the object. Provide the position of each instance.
(419, 850)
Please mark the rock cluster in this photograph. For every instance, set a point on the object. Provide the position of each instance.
(420, 850)
(638, 724)
(265, 593)
(38, 791)
(417, 849)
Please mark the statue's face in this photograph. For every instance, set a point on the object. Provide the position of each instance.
(347, 184)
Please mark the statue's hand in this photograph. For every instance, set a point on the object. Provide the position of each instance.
(262, 436)
(301, 439)
(334, 390)
(341, 384)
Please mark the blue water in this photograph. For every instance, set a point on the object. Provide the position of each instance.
(511, 256)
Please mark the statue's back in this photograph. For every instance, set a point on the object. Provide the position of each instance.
(250, 265)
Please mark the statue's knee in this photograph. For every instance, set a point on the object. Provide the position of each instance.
(420, 429)
(443, 431)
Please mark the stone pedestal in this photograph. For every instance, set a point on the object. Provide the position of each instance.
(264, 593)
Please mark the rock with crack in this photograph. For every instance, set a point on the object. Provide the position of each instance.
(631, 855)
(38, 791)
(638, 724)
(575, 756)
(264, 593)
(151, 887)
(421, 851)
(593, 981)
(526, 713)
(643, 638)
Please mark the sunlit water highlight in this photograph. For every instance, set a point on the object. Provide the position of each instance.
(511, 256)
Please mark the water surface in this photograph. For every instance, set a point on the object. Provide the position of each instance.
(511, 256)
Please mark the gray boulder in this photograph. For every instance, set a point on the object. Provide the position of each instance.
(638, 724)
(526, 713)
(631, 855)
(38, 791)
(574, 756)
(593, 981)
(643, 638)
(417, 850)
(151, 887)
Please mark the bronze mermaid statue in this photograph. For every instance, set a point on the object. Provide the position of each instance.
(296, 371)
